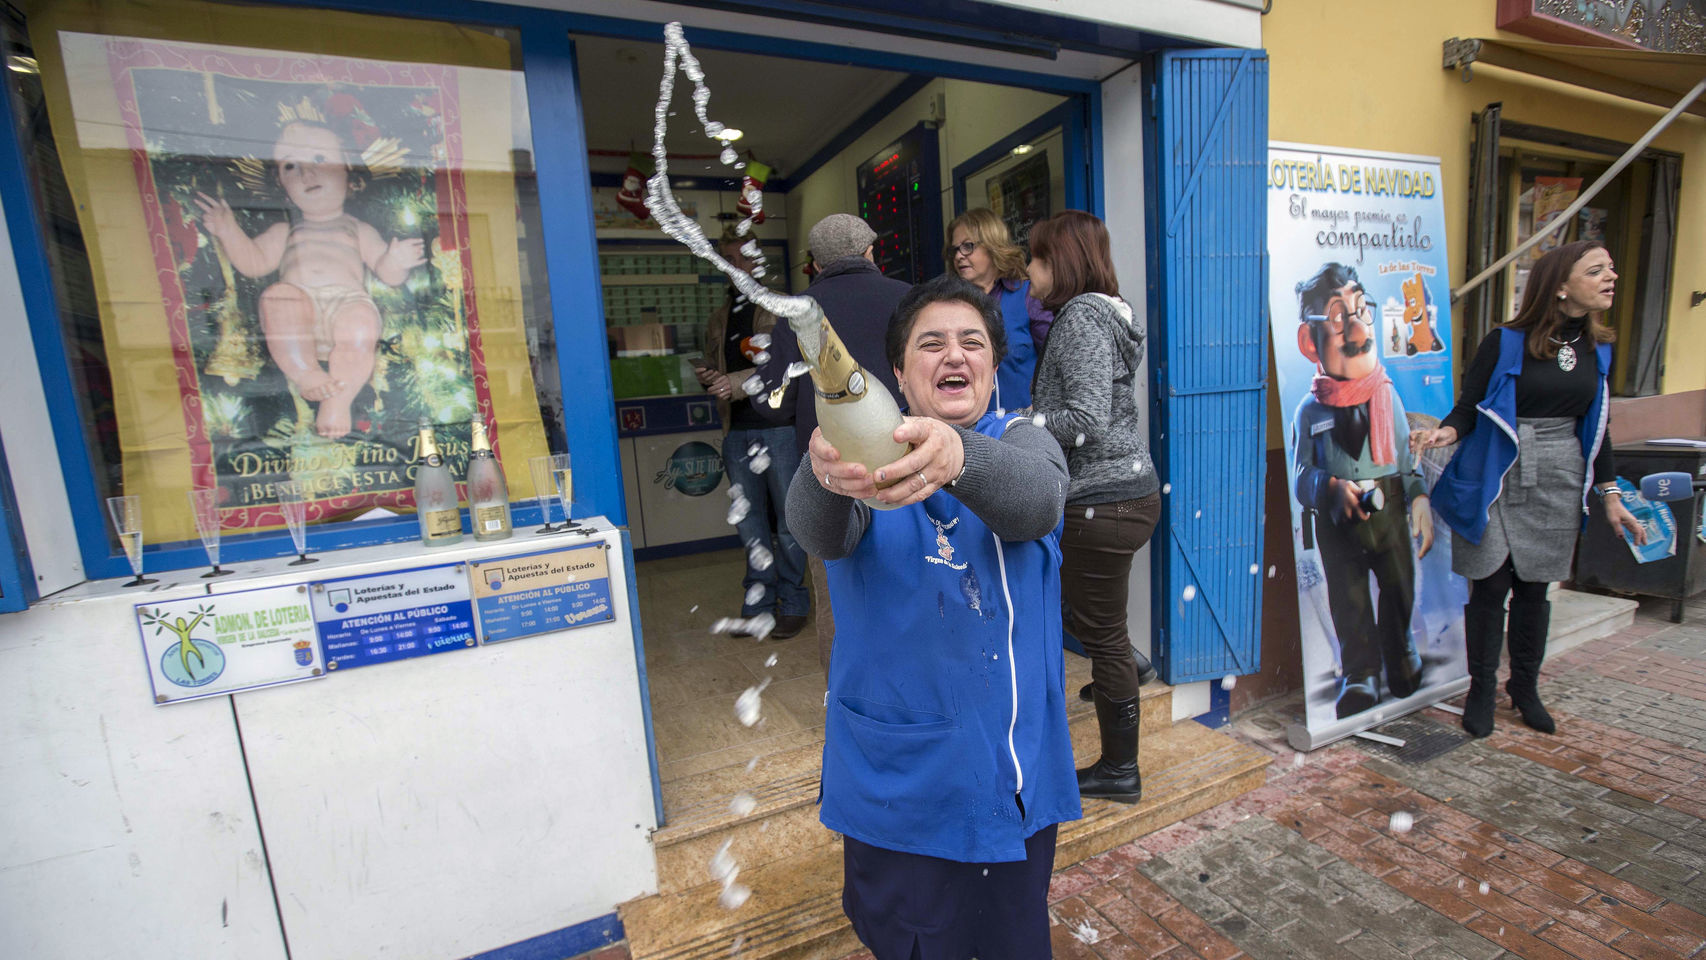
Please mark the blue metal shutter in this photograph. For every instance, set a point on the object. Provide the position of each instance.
(1207, 228)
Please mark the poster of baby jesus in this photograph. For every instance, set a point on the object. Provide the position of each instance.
(308, 225)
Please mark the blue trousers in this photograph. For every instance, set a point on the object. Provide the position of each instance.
(785, 593)
(907, 906)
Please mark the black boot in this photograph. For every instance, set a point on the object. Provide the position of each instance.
(1484, 635)
(1145, 673)
(1115, 776)
(1529, 623)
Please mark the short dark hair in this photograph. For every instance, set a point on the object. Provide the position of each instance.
(1313, 294)
(1075, 246)
(947, 288)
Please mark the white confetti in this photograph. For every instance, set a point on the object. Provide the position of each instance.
(752, 764)
(1189, 593)
(750, 249)
(1137, 466)
(1484, 886)
(1085, 932)
(1228, 682)
(1198, 516)
(723, 624)
(749, 706)
(734, 896)
(1255, 568)
(1078, 441)
(760, 462)
(1166, 488)
(735, 492)
(1401, 822)
(739, 942)
(798, 368)
(738, 511)
(753, 385)
(1297, 761)
(770, 661)
(759, 556)
(742, 804)
(760, 340)
(986, 871)
(755, 595)
(722, 865)
(761, 357)
(1272, 571)
(693, 609)
(1040, 420)
(1089, 513)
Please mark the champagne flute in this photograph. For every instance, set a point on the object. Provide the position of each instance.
(204, 503)
(293, 503)
(126, 513)
(545, 487)
(563, 479)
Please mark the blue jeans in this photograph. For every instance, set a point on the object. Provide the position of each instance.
(785, 593)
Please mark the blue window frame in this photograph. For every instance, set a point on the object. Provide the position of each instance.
(565, 207)
(1070, 117)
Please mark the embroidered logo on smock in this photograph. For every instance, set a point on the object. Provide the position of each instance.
(944, 549)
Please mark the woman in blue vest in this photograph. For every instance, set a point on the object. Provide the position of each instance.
(980, 251)
(946, 761)
(1532, 421)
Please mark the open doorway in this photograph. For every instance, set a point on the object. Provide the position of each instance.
(829, 138)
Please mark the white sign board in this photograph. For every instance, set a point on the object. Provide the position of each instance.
(206, 646)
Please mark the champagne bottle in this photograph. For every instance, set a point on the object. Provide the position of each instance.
(488, 494)
(436, 503)
(857, 413)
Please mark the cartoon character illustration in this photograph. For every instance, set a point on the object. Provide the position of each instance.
(1359, 489)
(322, 327)
(1418, 318)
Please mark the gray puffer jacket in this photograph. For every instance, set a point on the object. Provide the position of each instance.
(1086, 387)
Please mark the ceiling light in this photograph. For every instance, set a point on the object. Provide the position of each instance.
(730, 134)
(1022, 149)
(21, 64)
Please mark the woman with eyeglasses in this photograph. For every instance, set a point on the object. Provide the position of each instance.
(980, 250)
(1086, 396)
(1532, 420)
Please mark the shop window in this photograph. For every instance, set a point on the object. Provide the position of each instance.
(280, 240)
(1539, 173)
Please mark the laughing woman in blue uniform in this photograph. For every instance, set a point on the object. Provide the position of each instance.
(981, 251)
(946, 764)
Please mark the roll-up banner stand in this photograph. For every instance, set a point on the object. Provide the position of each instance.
(1359, 295)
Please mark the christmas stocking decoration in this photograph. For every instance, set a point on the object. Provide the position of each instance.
(751, 202)
(632, 196)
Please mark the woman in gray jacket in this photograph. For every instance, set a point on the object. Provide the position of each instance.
(1086, 396)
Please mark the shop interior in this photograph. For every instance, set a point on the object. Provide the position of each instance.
(825, 131)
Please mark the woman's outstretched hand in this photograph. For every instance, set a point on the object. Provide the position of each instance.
(936, 459)
(1623, 521)
(846, 479)
(1428, 439)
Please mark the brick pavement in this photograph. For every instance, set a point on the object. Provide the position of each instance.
(1588, 845)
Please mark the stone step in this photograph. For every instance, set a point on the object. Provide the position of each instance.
(698, 818)
(795, 910)
(1579, 617)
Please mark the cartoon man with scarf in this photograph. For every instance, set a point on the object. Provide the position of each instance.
(1355, 478)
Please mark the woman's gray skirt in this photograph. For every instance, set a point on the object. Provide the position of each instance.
(1537, 516)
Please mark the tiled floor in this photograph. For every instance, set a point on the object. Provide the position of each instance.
(1589, 845)
(695, 675)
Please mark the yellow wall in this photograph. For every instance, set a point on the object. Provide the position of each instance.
(1366, 73)
(978, 114)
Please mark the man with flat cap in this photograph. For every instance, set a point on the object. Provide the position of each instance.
(859, 301)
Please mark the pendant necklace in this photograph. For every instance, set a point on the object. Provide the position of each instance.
(1566, 353)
